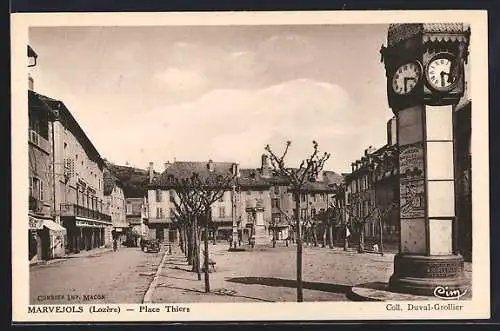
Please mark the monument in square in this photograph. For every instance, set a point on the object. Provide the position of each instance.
(425, 70)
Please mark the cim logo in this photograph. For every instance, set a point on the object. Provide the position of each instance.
(443, 292)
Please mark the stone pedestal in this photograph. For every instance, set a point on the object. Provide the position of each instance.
(260, 234)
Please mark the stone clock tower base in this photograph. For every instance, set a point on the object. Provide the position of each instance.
(421, 275)
(432, 56)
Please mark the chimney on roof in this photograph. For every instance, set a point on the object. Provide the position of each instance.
(210, 166)
(236, 169)
(151, 172)
(265, 167)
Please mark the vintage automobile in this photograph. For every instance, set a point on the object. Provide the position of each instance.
(151, 246)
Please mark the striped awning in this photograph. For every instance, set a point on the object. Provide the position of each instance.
(53, 226)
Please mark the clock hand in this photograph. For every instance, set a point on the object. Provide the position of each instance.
(406, 79)
(442, 74)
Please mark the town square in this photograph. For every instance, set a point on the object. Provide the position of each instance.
(193, 164)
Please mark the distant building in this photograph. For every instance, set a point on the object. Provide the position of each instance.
(137, 216)
(253, 191)
(115, 204)
(374, 182)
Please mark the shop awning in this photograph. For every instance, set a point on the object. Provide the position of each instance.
(53, 226)
(35, 223)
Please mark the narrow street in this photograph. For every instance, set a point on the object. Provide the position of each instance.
(112, 277)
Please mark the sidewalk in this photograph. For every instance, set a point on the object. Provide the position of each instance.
(91, 253)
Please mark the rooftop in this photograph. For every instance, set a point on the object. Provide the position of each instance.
(62, 113)
(248, 178)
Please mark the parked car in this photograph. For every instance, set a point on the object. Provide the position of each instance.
(152, 246)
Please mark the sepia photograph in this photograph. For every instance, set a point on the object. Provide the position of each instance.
(177, 164)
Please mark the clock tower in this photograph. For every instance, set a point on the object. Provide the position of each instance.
(425, 78)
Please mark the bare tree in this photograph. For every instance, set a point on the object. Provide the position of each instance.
(307, 171)
(197, 195)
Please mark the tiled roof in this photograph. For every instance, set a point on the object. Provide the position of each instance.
(331, 177)
(185, 169)
(59, 110)
(252, 178)
(248, 177)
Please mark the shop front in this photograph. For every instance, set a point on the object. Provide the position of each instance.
(46, 239)
(86, 234)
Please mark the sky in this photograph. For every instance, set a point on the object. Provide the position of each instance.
(194, 93)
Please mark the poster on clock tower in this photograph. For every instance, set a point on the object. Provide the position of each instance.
(411, 162)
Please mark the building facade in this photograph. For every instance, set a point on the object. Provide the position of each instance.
(137, 216)
(46, 236)
(255, 193)
(115, 205)
(77, 182)
(372, 190)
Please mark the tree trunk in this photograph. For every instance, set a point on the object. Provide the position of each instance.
(299, 249)
(181, 240)
(185, 239)
(198, 249)
(330, 234)
(190, 243)
(381, 226)
(361, 248)
(346, 237)
(274, 237)
(207, 276)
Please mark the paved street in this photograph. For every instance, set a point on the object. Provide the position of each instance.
(269, 275)
(112, 277)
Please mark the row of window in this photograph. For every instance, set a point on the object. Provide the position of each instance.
(92, 173)
(361, 184)
(159, 212)
(314, 197)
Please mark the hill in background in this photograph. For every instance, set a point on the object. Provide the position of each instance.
(134, 180)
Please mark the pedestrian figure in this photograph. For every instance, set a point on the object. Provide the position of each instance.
(115, 245)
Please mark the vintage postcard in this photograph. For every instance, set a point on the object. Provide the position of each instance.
(250, 166)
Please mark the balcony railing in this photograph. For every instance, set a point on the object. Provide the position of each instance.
(37, 140)
(71, 209)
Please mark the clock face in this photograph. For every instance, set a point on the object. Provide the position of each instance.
(439, 75)
(406, 78)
